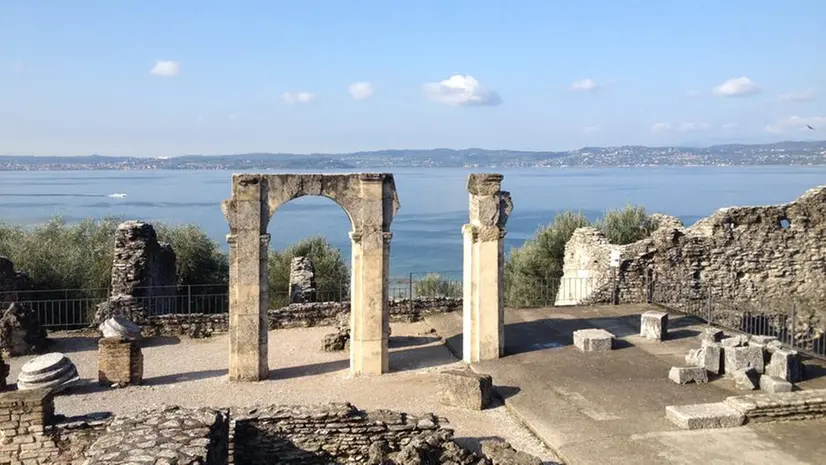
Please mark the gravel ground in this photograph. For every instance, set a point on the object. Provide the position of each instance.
(192, 372)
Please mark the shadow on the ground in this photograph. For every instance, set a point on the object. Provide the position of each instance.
(183, 377)
(309, 370)
(73, 344)
(158, 341)
(85, 386)
(813, 369)
(410, 341)
(421, 357)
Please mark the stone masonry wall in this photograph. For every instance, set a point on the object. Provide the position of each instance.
(294, 316)
(143, 271)
(766, 256)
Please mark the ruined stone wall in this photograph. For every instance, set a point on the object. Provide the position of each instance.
(31, 433)
(11, 282)
(143, 272)
(294, 316)
(763, 256)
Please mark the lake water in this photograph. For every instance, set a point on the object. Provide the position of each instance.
(434, 202)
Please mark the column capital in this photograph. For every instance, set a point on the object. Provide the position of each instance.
(387, 236)
(232, 239)
(265, 240)
(355, 236)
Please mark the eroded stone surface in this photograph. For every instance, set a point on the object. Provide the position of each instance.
(465, 389)
(774, 385)
(143, 273)
(795, 405)
(484, 260)
(502, 453)
(119, 327)
(593, 340)
(170, 435)
(746, 379)
(51, 372)
(786, 364)
(702, 416)
(709, 356)
(302, 280)
(711, 335)
(654, 325)
(685, 375)
(740, 358)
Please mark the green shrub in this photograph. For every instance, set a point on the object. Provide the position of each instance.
(433, 285)
(628, 225)
(332, 275)
(198, 260)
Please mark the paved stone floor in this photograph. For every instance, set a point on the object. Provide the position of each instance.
(598, 408)
(192, 373)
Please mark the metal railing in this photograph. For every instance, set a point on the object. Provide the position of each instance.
(796, 321)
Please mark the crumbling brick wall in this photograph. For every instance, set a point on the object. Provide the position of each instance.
(765, 257)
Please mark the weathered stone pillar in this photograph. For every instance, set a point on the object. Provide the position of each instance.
(369, 322)
(483, 300)
(248, 214)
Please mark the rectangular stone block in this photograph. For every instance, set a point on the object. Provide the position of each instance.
(465, 389)
(593, 340)
(733, 341)
(773, 384)
(654, 325)
(785, 364)
(746, 379)
(685, 375)
(704, 416)
(740, 358)
(120, 362)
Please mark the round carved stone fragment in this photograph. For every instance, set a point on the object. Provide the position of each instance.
(52, 371)
(118, 326)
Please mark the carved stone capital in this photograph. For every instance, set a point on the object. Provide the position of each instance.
(232, 240)
(387, 236)
(265, 240)
(355, 237)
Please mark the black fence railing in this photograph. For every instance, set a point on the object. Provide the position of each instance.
(798, 322)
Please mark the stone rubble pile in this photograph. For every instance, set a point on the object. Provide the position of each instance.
(751, 361)
(53, 371)
(120, 327)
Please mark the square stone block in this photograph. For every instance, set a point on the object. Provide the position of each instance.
(465, 389)
(785, 364)
(120, 361)
(654, 325)
(593, 340)
(741, 358)
(773, 384)
(702, 416)
(685, 375)
(746, 379)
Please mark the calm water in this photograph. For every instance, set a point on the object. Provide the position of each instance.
(434, 202)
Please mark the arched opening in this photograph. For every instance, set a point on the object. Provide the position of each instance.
(309, 258)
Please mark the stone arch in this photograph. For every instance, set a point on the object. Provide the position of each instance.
(370, 201)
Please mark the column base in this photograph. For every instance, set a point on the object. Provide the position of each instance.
(369, 357)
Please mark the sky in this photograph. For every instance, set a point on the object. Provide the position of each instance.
(161, 78)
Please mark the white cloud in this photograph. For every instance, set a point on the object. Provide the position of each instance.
(298, 97)
(662, 126)
(166, 68)
(584, 85)
(806, 96)
(690, 126)
(361, 90)
(590, 129)
(461, 90)
(737, 87)
(796, 123)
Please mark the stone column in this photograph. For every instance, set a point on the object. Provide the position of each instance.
(248, 214)
(369, 323)
(483, 302)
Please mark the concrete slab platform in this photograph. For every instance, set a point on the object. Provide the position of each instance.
(704, 416)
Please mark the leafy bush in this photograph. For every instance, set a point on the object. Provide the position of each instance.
(532, 271)
(58, 255)
(332, 275)
(628, 225)
(433, 285)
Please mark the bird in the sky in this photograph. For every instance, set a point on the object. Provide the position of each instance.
(810, 127)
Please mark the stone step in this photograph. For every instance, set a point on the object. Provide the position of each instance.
(781, 406)
(704, 416)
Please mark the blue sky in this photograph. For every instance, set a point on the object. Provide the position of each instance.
(160, 78)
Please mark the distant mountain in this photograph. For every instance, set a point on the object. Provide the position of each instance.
(778, 153)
